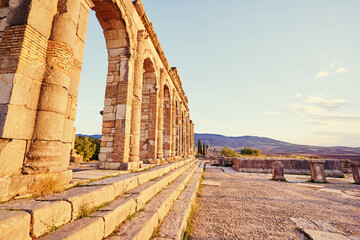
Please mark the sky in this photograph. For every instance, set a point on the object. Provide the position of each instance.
(288, 70)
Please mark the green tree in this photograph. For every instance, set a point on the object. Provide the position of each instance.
(204, 149)
(227, 152)
(250, 151)
(87, 147)
(97, 149)
(199, 147)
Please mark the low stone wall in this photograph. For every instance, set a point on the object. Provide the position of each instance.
(333, 167)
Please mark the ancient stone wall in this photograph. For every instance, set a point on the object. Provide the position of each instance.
(41, 53)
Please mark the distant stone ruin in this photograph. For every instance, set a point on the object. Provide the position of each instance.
(332, 168)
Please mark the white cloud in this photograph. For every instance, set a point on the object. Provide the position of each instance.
(298, 95)
(272, 113)
(322, 74)
(320, 111)
(340, 70)
(332, 69)
(326, 104)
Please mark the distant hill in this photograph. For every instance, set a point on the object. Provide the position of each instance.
(272, 146)
(98, 136)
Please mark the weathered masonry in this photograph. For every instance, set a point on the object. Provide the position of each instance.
(145, 117)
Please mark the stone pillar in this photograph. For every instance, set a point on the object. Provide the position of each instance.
(136, 103)
(180, 124)
(160, 131)
(173, 128)
(188, 135)
(317, 170)
(191, 137)
(48, 152)
(79, 47)
(23, 42)
(277, 170)
(355, 171)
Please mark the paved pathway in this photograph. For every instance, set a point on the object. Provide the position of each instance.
(250, 206)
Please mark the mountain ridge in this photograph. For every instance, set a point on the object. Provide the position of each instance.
(271, 146)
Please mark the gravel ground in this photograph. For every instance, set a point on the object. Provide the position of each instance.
(250, 206)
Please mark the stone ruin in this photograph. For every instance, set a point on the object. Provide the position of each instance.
(145, 116)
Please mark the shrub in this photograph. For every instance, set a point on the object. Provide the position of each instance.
(250, 151)
(87, 147)
(228, 152)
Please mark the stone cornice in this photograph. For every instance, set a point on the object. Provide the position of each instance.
(88, 4)
(171, 71)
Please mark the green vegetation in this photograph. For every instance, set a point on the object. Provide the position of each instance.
(199, 148)
(87, 147)
(227, 152)
(204, 149)
(250, 151)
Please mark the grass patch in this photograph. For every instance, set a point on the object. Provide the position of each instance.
(45, 186)
(86, 211)
(156, 233)
(190, 226)
(52, 228)
(13, 210)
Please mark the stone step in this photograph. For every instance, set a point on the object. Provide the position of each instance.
(105, 220)
(174, 224)
(142, 225)
(49, 212)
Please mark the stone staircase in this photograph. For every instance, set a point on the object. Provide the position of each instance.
(151, 204)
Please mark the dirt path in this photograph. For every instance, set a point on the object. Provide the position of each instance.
(250, 206)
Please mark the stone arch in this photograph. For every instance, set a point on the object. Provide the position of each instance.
(149, 104)
(120, 45)
(167, 122)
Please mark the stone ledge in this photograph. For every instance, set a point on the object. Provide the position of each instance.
(142, 225)
(85, 228)
(21, 185)
(174, 224)
(14, 225)
(44, 215)
(112, 215)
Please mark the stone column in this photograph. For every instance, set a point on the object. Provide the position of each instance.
(180, 125)
(355, 171)
(188, 135)
(317, 170)
(24, 34)
(173, 129)
(47, 152)
(191, 138)
(186, 142)
(277, 170)
(160, 131)
(136, 102)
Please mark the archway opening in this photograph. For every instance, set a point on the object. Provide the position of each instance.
(103, 77)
